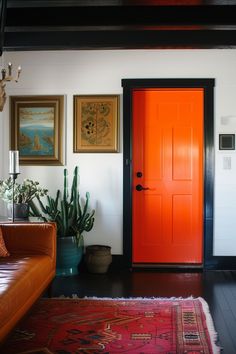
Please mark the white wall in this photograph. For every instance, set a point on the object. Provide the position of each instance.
(100, 72)
(2, 143)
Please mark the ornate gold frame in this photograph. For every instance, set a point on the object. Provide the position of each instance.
(96, 123)
(37, 113)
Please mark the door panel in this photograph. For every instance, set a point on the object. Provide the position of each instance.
(168, 150)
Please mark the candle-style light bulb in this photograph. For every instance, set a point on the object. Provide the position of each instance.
(9, 68)
(3, 74)
(18, 73)
(14, 162)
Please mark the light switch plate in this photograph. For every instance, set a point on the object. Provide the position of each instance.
(227, 163)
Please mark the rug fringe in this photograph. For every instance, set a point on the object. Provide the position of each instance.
(139, 298)
(210, 326)
(75, 296)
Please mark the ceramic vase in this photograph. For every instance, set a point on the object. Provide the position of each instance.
(21, 211)
(69, 255)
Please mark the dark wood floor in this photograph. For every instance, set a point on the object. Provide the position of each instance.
(218, 288)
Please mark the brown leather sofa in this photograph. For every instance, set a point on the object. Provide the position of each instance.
(27, 272)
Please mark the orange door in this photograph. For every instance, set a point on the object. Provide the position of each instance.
(167, 176)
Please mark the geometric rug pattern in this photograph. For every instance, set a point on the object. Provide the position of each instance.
(130, 326)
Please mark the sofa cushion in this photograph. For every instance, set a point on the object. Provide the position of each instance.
(22, 279)
(3, 250)
(27, 272)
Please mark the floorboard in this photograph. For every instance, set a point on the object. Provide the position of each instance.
(218, 288)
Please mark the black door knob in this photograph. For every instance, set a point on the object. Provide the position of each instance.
(140, 188)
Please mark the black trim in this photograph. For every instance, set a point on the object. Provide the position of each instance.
(117, 262)
(208, 84)
(215, 263)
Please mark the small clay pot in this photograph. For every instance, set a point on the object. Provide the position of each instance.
(98, 258)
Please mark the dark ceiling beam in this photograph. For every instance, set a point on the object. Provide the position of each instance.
(2, 23)
(116, 24)
(67, 3)
(78, 3)
(121, 40)
(121, 15)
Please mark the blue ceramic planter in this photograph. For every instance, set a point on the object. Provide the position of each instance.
(69, 255)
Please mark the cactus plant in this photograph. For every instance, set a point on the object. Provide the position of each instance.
(71, 217)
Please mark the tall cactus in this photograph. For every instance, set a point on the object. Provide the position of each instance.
(71, 217)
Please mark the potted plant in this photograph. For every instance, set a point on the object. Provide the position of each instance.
(24, 193)
(98, 258)
(72, 218)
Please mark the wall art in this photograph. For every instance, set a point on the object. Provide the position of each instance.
(36, 126)
(96, 121)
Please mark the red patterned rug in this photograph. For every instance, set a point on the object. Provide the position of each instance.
(131, 326)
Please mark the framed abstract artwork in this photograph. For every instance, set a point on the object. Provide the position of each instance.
(36, 126)
(96, 123)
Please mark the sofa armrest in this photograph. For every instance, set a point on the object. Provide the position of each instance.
(30, 238)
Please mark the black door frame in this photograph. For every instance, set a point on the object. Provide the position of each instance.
(208, 85)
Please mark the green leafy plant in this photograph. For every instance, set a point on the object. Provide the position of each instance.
(23, 193)
(71, 216)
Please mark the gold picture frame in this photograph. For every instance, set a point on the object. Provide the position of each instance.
(96, 123)
(36, 129)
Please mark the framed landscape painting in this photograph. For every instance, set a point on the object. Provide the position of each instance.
(36, 126)
(96, 121)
